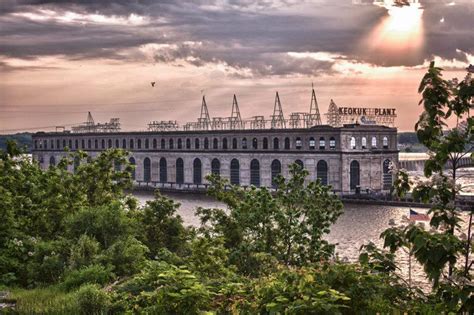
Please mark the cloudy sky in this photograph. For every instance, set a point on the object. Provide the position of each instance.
(60, 59)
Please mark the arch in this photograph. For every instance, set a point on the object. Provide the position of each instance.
(244, 143)
(163, 144)
(265, 143)
(235, 172)
(171, 144)
(206, 143)
(58, 144)
(147, 143)
(298, 143)
(255, 173)
(364, 142)
(103, 143)
(131, 160)
(215, 167)
(96, 143)
(155, 144)
(89, 144)
(180, 143)
(179, 171)
(64, 143)
(276, 170)
(76, 144)
(387, 174)
(353, 143)
(312, 143)
(139, 143)
(197, 171)
(354, 175)
(276, 143)
(163, 170)
(83, 144)
(374, 142)
(300, 163)
(131, 144)
(117, 143)
(234, 143)
(52, 161)
(146, 170)
(124, 143)
(224, 143)
(287, 143)
(322, 172)
(385, 142)
(322, 143)
(188, 144)
(109, 143)
(255, 143)
(332, 143)
(196, 143)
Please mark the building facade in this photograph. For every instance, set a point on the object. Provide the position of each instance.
(347, 158)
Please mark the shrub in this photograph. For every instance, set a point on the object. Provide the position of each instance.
(97, 274)
(92, 300)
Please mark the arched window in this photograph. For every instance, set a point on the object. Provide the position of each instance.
(332, 143)
(58, 143)
(83, 143)
(255, 143)
(300, 163)
(364, 142)
(64, 143)
(255, 173)
(298, 143)
(124, 144)
(354, 175)
(206, 143)
(103, 143)
(287, 143)
(117, 143)
(76, 144)
(147, 143)
(146, 170)
(171, 144)
(89, 144)
(179, 171)
(385, 142)
(52, 161)
(139, 143)
(163, 170)
(235, 172)
(234, 143)
(163, 144)
(36, 144)
(196, 143)
(109, 143)
(197, 171)
(322, 172)
(276, 144)
(131, 144)
(244, 143)
(265, 143)
(374, 142)
(131, 160)
(276, 170)
(312, 143)
(224, 143)
(96, 143)
(180, 143)
(77, 162)
(353, 143)
(188, 144)
(322, 143)
(216, 167)
(155, 144)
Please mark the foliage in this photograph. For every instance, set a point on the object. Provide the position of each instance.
(51, 300)
(92, 300)
(94, 274)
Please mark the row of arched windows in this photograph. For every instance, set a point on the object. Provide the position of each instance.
(363, 143)
(197, 143)
(234, 174)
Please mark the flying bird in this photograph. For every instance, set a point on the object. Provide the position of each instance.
(153, 84)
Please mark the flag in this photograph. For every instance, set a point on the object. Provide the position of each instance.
(415, 216)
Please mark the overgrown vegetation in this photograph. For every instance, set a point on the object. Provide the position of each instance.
(73, 243)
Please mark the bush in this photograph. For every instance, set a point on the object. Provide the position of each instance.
(92, 300)
(95, 274)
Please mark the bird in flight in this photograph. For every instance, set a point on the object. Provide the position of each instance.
(153, 84)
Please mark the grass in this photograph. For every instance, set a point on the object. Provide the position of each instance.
(50, 301)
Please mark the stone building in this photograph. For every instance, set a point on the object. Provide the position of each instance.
(348, 157)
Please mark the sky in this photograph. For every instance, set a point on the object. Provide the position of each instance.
(60, 59)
